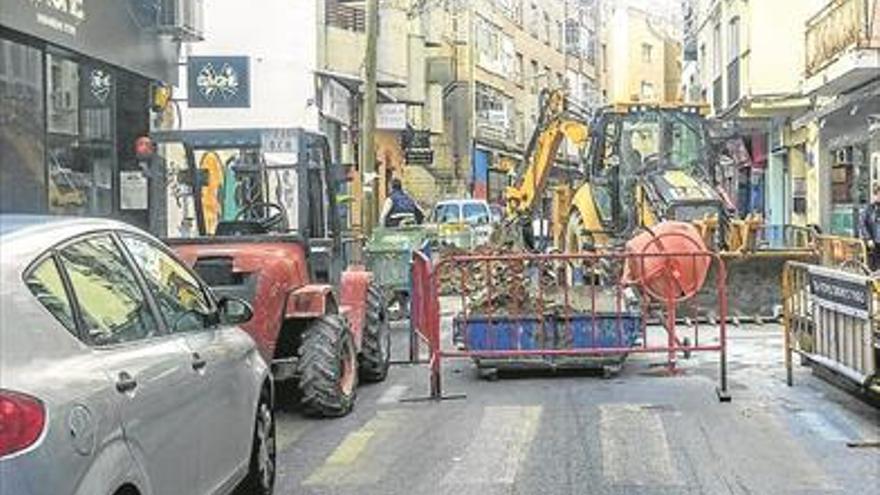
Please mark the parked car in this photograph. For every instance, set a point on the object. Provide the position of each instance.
(120, 371)
(465, 223)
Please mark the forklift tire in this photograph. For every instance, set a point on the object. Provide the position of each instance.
(327, 368)
(375, 355)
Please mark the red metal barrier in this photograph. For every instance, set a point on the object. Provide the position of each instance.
(608, 305)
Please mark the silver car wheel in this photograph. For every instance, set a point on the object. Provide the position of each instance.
(265, 447)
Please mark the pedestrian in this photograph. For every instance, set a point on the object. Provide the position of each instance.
(870, 227)
(399, 205)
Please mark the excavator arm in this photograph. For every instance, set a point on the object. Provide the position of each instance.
(555, 124)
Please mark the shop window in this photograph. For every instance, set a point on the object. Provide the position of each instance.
(22, 127)
(80, 102)
(849, 176)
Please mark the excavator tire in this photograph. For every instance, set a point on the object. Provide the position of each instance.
(327, 368)
(375, 355)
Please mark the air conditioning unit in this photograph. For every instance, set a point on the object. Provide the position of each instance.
(181, 19)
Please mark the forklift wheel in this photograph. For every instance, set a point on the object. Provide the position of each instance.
(376, 353)
(328, 368)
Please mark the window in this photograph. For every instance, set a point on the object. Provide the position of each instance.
(178, 294)
(533, 83)
(476, 214)
(447, 213)
(560, 81)
(646, 52)
(518, 69)
(647, 92)
(716, 51)
(22, 140)
(733, 39)
(80, 110)
(547, 33)
(560, 35)
(46, 285)
(111, 302)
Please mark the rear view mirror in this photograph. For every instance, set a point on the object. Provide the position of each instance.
(235, 311)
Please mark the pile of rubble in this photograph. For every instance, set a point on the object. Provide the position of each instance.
(494, 287)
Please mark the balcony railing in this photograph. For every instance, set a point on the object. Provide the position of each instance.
(733, 82)
(717, 95)
(840, 26)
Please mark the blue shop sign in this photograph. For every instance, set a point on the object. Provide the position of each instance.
(218, 82)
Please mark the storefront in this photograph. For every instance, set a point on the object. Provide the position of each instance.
(75, 93)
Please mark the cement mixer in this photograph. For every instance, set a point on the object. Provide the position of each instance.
(673, 263)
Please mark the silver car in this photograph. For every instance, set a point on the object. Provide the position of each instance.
(120, 372)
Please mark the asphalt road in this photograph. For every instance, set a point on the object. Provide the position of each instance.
(640, 432)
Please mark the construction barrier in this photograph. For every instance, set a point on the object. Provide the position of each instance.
(562, 325)
(842, 252)
(831, 317)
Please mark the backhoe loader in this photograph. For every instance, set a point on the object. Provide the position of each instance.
(644, 164)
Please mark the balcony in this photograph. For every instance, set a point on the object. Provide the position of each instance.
(842, 46)
(733, 82)
(717, 96)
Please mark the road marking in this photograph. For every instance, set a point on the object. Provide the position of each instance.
(499, 446)
(353, 446)
(359, 458)
(393, 394)
(635, 450)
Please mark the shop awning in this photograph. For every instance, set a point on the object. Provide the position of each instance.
(354, 82)
(868, 96)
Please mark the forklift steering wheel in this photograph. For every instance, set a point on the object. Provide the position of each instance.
(270, 216)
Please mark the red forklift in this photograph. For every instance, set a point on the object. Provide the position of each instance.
(255, 213)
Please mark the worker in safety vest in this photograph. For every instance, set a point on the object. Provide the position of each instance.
(870, 227)
(399, 206)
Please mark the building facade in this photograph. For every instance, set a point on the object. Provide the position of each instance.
(487, 63)
(841, 132)
(76, 80)
(799, 114)
(641, 52)
(751, 65)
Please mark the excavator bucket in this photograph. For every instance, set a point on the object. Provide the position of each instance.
(754, 269)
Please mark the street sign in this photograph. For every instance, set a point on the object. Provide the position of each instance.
(391, 116)
(842, 292)
(419, 156)
(280, 140)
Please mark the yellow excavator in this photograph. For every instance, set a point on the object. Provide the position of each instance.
(646, 163)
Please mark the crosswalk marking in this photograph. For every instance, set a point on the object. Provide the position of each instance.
(498, 448)
(358, 459)
(392, 395)
(634, 446)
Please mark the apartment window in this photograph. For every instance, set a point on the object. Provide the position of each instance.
(647, 92)
(703, 59)
(547, 34)
(646, 52)
(716, 51)
(533, 77)
(559, 36)
(534, 20)
(348, 17)
(518, 69)
(733, 39)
